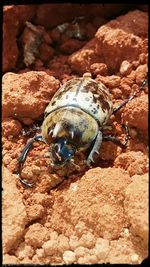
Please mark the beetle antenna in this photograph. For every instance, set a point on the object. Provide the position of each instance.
(130, 98)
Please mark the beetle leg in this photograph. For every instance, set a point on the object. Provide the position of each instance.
(116, 141)
(23, 156)
(95, 148)
(130, 98)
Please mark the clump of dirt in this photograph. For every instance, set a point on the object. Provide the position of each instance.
(98, 215)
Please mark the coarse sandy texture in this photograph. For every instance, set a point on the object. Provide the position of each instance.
(98, 215)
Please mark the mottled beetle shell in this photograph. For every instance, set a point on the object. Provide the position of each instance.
(73, 126)
(84, 93)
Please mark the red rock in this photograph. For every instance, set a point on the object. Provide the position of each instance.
(13, 19)
(117, 42)
(114, 38)
(125, 68)
(81, 60)
(135, 162)
(136, 202)
(98, 21)
(36, 235)
(55, 35)
(98, 69)
(35, 212)
(134, 22)
(11, 127)
(136, 113)
(58, 66)
(10, 259)
(24, 251)
(142, 58)
(111, 81)
(97, 185)
(141, 73)
(64, 12)
(46, 52)
(70, 46)
(90, 30)
(27, 93)
(47, 38)
(14, 219)
(117, 93)
(125, 88)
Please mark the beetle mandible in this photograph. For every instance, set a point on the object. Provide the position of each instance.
(74, 121)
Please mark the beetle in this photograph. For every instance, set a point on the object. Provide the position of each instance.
(74, 121)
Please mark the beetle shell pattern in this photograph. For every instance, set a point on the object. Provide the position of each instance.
(85, 93)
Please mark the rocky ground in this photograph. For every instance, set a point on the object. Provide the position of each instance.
(101, 214)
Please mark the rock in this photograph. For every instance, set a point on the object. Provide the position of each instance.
(10, 259)
(69, 11)
(70, 46)
(136, 113)
(14, 217)
(98, 69)
(141, 73)
(102, 248)
(115, 41)
(125, 68)
(111, 81)
(63, 243)
(24, 251)
(11, 127)
(135, 162)
(50, 247)
(69, 257)
(36, 235)
(35, 212)
(81, 251)
(118, 37)
(136, 206)
(27, 94)
(87, 240)
(88, 259)
(135, 22)
(46, 52)
(100, 211)
(13, 19)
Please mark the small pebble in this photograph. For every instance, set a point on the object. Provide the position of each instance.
(69, 257)
(134, 258)
(125, 68)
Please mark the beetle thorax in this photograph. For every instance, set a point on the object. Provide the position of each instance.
(71, 123)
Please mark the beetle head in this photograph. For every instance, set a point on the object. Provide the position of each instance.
(62, 151)
(68, 133)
